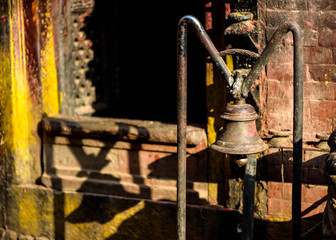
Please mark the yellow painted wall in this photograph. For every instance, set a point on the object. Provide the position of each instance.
(21, 115)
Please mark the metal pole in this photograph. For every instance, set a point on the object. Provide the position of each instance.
(248, 199)
(182, 107)
(298, 109)
(247, 84)
(181, 130)
(297, 136)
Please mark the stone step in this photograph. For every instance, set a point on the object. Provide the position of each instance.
(154, 189)
(121, 157)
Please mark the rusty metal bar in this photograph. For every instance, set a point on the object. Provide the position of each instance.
(182, 107)
(243, 52)
(270, 50)
(247, 84)
(206, 42)
(298, 109)
(181, 130)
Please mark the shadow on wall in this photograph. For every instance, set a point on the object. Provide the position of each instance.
(278, 167)
(274, 191)
(120, 213)
(133, 218)
(93, 208)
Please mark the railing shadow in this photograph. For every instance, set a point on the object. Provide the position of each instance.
(106, 201)
(111, 210)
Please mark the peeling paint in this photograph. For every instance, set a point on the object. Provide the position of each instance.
(16, 129)
(48, 65)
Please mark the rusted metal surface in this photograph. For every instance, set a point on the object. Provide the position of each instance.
(243, 52)
(207, 43)
(182, 107)
(247, 27)
(241, 161)
(240, 135)
(244, 27)
(270, 50)
(247, 140)
(298, 108)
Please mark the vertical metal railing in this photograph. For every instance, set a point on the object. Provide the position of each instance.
(298, 109)
(182, 106)
(243, 92)
(248, 197)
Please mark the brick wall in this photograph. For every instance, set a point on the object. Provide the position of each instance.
(278, 165)
(317, 19)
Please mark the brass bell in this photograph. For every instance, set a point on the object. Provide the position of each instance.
(240, 136)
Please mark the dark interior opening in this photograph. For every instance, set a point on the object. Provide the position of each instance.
(134, 68)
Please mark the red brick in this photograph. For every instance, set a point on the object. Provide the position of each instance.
(320, 55)
(323, 72)
(286, 90)
(284, 54)
(318, 91)
(309, 155)
(309, 210)
(308, 137)
(306, 110)
(287, 191)
(309, 36)
(276, 105)
(287, 4)
(316, 125)
(280, 121)
(279, 207)
(325, 19)
(313, 193)
(274, 189)
(272, 151)
(272, 88)
(322, 206)
(306, 22)
(262, 17)
(327, 37)
(270, 32)
(323, 109)
(275, 18)
(322, 5)
(281, 72)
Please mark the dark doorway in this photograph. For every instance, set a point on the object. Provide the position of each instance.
(134, 70)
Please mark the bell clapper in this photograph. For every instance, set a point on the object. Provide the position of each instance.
(241, 161)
